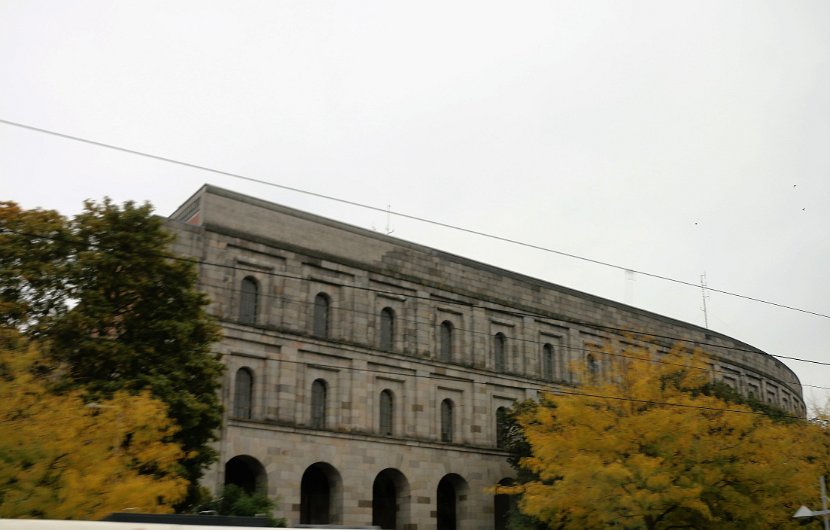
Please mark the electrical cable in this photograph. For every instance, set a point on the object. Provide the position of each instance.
(512, 312)
(557, 391)
(403, 215)
(546, 389)
(417, 322)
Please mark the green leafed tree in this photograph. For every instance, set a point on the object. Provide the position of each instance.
(34, 251)
(234, 500)
(644, 447)
(115, 307)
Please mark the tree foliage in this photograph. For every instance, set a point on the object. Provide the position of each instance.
(114, 306)
(34, 245)
(63, 458)
(646, 447)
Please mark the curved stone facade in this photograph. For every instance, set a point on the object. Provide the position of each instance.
(367, 375)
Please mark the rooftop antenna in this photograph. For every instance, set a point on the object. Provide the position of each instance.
(629, 286)
(705, 296)
(389, 229)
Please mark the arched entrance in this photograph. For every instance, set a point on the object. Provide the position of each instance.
(452, 490)
(503, 505)
(247, 473)
(320, 495)
(390, 499)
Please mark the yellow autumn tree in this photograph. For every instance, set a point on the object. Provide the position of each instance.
(62, 458)
(641, 446)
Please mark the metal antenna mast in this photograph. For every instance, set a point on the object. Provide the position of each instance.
(703, 293)
(389, 229)
(629, 286)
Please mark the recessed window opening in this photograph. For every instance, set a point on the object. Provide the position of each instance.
(243, 393)
(387, 328)
(446, 421)
(445, 343)
(248, 300)
(318, 404)
(387, 413)
(499, 351)
(593, 366)
(322, 305)
(547, 362)
(501, 427)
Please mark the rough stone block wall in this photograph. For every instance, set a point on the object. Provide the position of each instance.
(293, 256)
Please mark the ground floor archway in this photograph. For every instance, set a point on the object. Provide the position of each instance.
(390, 499)
(320, 495)
(247, 473)
(450, 496)
(503, 505)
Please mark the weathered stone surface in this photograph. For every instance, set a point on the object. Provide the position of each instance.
(293, 256)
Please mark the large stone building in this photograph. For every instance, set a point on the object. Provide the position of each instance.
(367, 376)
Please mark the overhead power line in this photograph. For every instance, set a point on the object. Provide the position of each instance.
(404, 215)
(560, 389)
(513, 312)
(650, 336)
(623, 355)
(557, 387)
(563, 391)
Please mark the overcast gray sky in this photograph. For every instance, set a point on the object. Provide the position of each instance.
(671, 137)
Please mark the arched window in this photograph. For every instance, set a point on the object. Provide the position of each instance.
(445, 343)
(387, 329)
(446, 421)
(243, 393)
(318, 404)
(547, 362)
(248, 300)
(501, 427)
(499, 351)
(321, 315)
(387, 413)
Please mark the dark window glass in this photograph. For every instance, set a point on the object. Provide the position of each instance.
(499, 347)
(243, 393)
(318, 404)
(387, 412)
(248, 292)
(446, 341)
(446, 421)
(321, 316)
(387, 328)
(501, 427)
(547, 362)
